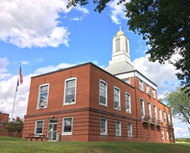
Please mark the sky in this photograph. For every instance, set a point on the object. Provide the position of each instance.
(45, 36)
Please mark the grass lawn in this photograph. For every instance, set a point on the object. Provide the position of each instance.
(17, 145)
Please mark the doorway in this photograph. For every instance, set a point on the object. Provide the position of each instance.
(52, 130)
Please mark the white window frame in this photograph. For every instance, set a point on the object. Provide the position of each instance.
(74, 102)
(38, 106)
(130, 131)
(153, 93)
(119, 103)
(169, 122)
(162, 134)
(119, 133)
(171, 136)
(160, 115)
(143, 109)
(106, 122)
(149, 108)
(129, 102)
(155, 113)
(147, 89)
(67, 133)
(141, 85)
(165, 118)
(36, 127)
(106, 93)
(167, 135)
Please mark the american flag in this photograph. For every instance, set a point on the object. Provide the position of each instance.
(21, 78)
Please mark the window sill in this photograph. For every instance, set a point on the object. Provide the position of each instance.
(118, 135)
(41, 107)
(117, 109)
(103, 105)
(128, 112)
(68, 133)
(103, 134)
(65, 104)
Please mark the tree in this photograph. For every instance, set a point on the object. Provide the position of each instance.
(13, 126)
(164, 24)
(179, 102)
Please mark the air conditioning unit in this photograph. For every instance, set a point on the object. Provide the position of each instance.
(161, 121)
(42, 104)
(148, 92)
(143, 117)
(118, 133)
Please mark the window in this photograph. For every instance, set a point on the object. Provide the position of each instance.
(142, 108)
(43, 96)
(129, 127)
(149, 111)
(103, 93)
(160, 115)
(171, 136)
(169, 119)
(155, 113)
(165, 121)
(70, 91)
(167, 135)
(116, 98)
(128, 102)
(118, 128)
(153, 93)
(162, 134)
(127, 81)
(103, 126)
(117, 44)
(67, 126)
(147, 89)
(140, 85)
(39, 127)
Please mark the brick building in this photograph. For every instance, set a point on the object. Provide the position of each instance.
(87, 103)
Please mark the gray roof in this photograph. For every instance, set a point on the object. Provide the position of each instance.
(120, 67)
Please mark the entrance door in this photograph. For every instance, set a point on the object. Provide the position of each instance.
(52, 130)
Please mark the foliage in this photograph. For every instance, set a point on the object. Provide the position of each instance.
(13, 126)
(182, 139)
(89, 147)
(179, 102)
(164, 24)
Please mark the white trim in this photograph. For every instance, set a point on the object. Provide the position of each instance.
(106, 129)
(119, 128)
(167, 135)
(143, 106)
(119, 98)
(130, 133)
(150, 109)
(130, 112)
(69, 79)
(46, 84)
(155, 112)
(67, 133)
(169, 121)
(141, 83)
(106, 104)
(162, 134)
(160, 114)
(165, 117)
(36, 127)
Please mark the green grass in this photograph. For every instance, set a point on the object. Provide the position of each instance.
(17, 145)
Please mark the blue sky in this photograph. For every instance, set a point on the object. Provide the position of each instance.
(44, 36)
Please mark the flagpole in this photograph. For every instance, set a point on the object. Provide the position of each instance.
(14, 101)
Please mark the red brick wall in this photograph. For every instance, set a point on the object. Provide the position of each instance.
(4, 117)
(87, 112)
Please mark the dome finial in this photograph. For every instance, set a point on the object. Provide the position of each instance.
(120, 32)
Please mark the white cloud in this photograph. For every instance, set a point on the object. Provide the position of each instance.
(34, 23)
(3, 71)
(163, 75)
(8, 88)
(117, 11)
(77, 19)
(24, 62)
(181, 132)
